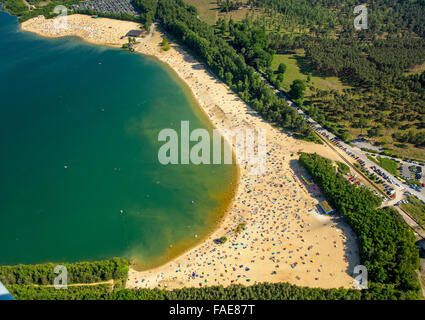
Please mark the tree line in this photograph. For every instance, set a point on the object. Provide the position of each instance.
(148, 8)
(262, 291)
(79, 272)
(323, 16)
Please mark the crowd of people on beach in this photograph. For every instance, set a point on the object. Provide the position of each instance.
(99, 31)
(277, 216)
(284, 237)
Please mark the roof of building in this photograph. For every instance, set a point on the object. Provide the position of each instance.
(324, 205)
(134, 33)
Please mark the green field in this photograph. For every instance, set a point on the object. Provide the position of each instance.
(209, 11)
(388, 164)
(403, 149)
(415, 208)
(297, 68)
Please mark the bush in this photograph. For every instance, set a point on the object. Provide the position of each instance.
(342, 168)
(240, 227)
(223, 240)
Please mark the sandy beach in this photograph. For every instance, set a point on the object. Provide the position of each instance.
(284, 238)
(100, 31)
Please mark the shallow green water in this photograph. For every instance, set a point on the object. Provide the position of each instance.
(61, 107)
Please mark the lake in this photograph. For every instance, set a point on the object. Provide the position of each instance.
(79, 170)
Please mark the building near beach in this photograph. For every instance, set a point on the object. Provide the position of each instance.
(325, 207)
(135, 33)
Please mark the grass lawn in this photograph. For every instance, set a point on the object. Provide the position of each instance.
(388, 164)
(209, 12)
(415, 208)
(342, 167)
(406, 150)
(207, 9)
(40, 3)
(297, 68)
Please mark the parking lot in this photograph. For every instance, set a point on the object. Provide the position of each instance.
(392, 186)
(412, 172)
(109, 6)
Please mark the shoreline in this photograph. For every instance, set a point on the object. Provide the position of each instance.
(220, 213)
(177, 250)
(281, 218)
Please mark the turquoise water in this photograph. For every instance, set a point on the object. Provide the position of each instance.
(78, 138)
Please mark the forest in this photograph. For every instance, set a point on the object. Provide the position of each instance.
(385, 16)
(79, 272)
(263, 291)
(382, 98)
(385, 98)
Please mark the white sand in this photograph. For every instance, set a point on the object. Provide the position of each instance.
(98, 31)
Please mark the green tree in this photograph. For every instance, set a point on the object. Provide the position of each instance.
(281, 68)
(297, 90)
